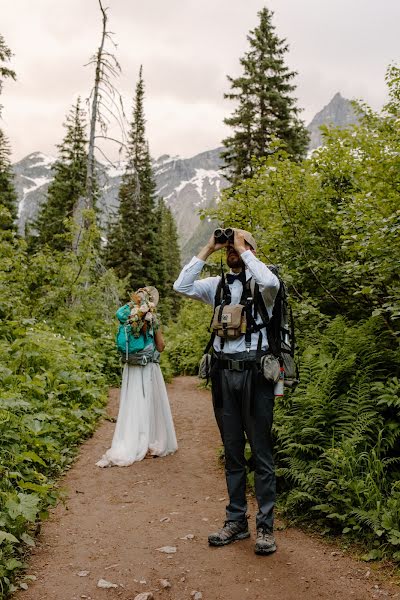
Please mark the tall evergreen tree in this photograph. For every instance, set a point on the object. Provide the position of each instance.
(265, 106)
(68, 184)
(169, 264)
(132, 245)
(5, 56)
(8, 197)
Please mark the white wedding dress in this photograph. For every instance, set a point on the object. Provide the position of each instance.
(144, 423)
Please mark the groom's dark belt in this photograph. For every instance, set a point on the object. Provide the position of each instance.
(244, 361)
(236, 365)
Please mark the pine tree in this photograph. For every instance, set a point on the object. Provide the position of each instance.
(8, 196)
(265, 106)
(5, 56)
(169, 264)
(132, 245)
(68, 184)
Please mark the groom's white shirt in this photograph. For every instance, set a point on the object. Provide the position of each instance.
(188, 284)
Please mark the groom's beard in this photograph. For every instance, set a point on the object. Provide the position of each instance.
(233, 259)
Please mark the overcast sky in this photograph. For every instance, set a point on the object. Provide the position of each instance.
(187, 47)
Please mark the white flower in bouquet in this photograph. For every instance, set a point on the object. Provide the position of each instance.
(143, 313)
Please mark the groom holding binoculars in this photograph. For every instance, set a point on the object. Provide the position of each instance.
(243, 399)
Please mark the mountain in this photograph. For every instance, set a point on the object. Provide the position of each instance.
(32, 176)
(338, 112)
(186, 184)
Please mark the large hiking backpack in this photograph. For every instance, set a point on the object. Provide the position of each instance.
(279, 328)
(127, 343)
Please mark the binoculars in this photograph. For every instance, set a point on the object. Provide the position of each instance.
(221, 236)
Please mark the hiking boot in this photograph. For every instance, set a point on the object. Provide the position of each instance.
(265, 542)
(230, 532)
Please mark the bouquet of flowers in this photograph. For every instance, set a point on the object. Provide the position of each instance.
(143, 312)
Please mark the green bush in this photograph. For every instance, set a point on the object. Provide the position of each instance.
(338, 436)
(58, 359)
(187, 338)
(332, 224)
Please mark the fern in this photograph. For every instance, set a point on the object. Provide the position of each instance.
(338, 436)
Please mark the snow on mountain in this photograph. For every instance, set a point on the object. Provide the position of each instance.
(32, 177)
(186, 184)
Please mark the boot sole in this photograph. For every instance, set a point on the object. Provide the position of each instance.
(234, 538)
(265, 551)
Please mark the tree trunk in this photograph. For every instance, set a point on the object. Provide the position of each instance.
(87, 202)
(90, 177)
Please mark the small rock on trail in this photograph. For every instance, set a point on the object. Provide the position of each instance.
(167, 549)
(144, 596)
(103, 583)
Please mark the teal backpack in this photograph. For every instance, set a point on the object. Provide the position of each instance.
(127, 343)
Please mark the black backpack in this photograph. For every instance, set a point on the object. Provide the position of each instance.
(279, 328)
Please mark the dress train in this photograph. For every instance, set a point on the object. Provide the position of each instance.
(144, 423)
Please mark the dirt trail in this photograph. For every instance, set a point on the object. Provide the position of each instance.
(115, 519)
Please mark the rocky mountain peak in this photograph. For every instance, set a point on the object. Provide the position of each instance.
(339, 112)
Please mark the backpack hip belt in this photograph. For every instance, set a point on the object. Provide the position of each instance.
(142, 358)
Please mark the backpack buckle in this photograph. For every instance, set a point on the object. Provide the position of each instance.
(235, 365)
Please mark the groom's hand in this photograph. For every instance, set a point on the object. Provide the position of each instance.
(210, 247)
(239, 243)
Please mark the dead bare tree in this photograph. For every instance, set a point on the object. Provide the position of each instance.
(105, 106)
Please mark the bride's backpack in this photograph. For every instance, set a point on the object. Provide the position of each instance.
(130, 344)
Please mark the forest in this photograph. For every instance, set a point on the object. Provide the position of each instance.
(329, 220)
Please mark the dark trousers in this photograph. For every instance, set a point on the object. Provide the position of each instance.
(245, 407)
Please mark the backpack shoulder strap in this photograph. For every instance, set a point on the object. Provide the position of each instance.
(219, 292)
(218, 299)
(259, 301)
(272, 324)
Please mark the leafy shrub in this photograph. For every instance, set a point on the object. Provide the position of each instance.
(338, 436)
(332, 223)
(187, 338)
(57, 360)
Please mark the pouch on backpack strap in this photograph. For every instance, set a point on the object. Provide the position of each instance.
(270, 368)
(205, 367)
(228, 320)
(290, 367)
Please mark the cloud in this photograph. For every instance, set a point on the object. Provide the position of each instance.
(186, 48)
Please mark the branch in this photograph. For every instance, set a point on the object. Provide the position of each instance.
(104, 155)
(110, 139)
(116, 116)
(120, 108)
(103, 10)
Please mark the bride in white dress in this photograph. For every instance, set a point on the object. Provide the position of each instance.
(144, 425)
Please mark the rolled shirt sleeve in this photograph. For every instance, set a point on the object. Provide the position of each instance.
(188, 283)
(268, 282)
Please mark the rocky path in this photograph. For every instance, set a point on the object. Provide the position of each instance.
(115, 520)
